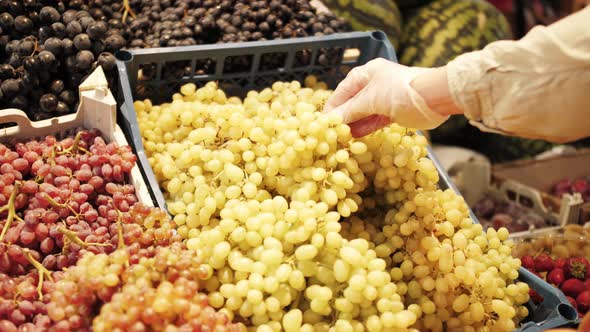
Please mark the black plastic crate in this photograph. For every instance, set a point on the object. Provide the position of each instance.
(239, 67)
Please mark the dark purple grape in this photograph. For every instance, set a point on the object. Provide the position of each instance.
(6, 21)
(48, 102)
(68, 46)
(30, 63)
(6, 71)
(10, 87)
(57, 87)
(59, 30)
(114, 43)
(69, 16)
(107, 61)
(26, 47)
(73, 29)
(85, 22)
(82, 42)
(46, 59)
(62, 108)
(23, 24)
(49, 15)
(54, 45)
(97, 30)
(84, 60)
(68, 97)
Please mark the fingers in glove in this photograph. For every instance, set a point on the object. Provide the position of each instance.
(355, 81)
(368, 125)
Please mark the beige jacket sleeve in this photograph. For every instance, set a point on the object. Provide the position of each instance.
(537, 87)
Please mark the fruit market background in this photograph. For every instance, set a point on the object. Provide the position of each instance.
(199, 187)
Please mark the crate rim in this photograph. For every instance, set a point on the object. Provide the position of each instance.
(126, 56)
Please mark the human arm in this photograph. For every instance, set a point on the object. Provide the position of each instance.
(537, 87)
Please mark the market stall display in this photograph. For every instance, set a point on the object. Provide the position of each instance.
(269, 216)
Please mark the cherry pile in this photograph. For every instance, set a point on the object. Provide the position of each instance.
(495, 213)
(571, 276)
(569, 186)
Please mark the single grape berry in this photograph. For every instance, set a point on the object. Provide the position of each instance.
(73, 29)
(54, 45)
(46, 59)
(30, 63)
(97, 30)
(107, 61)
(6, 71)
(58, 29)
(68, 46)
(62, 108)
(84, 60)
(26, 47)
(57, 87)
(114, 43)
(68, 97)
(6, 21)
(10, 87)
(49, 15)
(48, 102)
(82, 42)
(23, 24)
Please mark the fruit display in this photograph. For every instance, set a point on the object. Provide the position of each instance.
(304, 228)
(571, 275)
(496, 213)
(567, 186)
(370, 15)
(569, 241)
(47, 48)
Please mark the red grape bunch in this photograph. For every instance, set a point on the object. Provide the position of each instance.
(58, 200)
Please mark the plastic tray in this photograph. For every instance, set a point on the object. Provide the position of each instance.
(97, 110)
(555, 309)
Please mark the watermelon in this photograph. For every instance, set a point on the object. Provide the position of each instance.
(438, 32)
(368, 15)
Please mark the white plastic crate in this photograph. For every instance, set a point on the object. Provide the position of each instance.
(97, 110)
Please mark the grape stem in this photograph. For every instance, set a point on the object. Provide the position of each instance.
(127, 10)
(61, 205)
(41, 270)
(75, 145)
(11, 209)
(72, 237)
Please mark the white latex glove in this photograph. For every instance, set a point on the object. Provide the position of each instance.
(379, 93)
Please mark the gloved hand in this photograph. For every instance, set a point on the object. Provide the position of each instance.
(379, 93)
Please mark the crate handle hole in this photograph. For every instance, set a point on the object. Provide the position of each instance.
(351, 55)
(379, 35)
(123, 56)
(567, 311)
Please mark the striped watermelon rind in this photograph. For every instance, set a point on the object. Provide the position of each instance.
(368, 15)
(440, 31)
